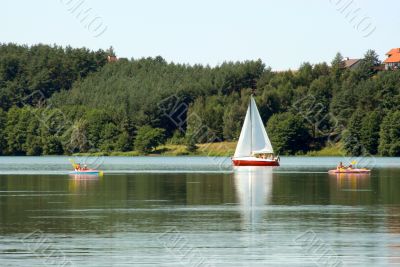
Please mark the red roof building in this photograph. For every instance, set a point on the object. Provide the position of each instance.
(393, 60)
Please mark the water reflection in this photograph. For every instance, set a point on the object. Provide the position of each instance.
(352, 182)
(254, 188)
(80, 182)
(248, 218)
(352, 189)
(81, 177)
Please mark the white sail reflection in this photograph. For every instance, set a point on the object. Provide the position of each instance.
(254, 190)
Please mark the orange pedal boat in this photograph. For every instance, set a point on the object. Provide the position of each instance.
(349, 170)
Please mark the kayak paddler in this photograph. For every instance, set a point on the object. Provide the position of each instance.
(350, 167)
(77, 167)
(340, 166)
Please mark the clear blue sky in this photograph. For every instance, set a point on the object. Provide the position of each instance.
(282, 33)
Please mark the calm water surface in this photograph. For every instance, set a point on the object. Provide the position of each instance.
(197, 212)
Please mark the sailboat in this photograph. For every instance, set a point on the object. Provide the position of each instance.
(254, 147)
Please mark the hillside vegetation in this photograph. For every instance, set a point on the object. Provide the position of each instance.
(57, 100)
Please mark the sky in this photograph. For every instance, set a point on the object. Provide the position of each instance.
(282, 33)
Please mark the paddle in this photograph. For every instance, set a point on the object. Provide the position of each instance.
(74, 165)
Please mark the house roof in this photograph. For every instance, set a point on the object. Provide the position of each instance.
(393, 51)
(393, 56)
(348, 63)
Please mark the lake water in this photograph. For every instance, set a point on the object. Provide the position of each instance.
(198, 211)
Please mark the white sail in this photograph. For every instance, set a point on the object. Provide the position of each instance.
(260, 140)
(253, 137)
(243, 147)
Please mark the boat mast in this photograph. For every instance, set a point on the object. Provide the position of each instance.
(251, 124)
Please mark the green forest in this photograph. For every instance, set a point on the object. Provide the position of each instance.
(61, 100)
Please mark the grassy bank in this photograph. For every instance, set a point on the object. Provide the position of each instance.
(328, 151)
(210, 149)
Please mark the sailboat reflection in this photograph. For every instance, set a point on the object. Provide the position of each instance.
(253, 187)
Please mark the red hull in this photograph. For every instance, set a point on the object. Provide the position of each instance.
(237, 162)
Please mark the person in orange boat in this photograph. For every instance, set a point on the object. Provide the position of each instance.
(340, 166)
(77, 167)
(350, 167)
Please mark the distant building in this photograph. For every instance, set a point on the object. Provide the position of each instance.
(379, 67)
(112, 58)
(393, 60)
(351, 63)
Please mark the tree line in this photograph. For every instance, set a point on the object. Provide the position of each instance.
(56, 100)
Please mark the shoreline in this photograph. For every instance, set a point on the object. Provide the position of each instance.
(220, 149)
